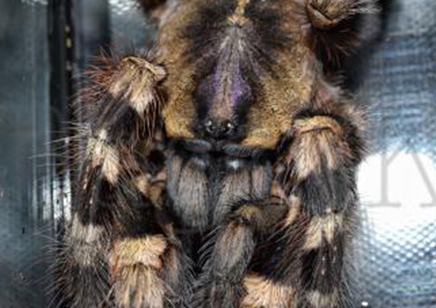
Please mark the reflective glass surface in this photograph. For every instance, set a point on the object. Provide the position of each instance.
(26, 207)
(397, 247)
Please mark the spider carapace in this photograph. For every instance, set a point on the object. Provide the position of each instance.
(219, 169)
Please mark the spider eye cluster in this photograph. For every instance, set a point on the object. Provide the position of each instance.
(219, 129)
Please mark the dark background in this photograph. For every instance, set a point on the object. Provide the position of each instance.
(46, 44)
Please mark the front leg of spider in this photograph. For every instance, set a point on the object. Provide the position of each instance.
(221, 282)
(326, 149)
(117, 252)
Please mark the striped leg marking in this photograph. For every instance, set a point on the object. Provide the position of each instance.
(321, 180)
(119, 110)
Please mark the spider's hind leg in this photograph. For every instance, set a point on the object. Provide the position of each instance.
(327, 14)
(340, 27)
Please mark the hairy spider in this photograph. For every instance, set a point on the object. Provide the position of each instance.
(219, 169)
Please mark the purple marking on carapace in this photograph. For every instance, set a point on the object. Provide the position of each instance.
(226, 87)
(228, 77)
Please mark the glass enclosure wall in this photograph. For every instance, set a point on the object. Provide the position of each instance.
(26, 207)
(397, 183)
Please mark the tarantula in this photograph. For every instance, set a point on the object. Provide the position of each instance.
(219, 169)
